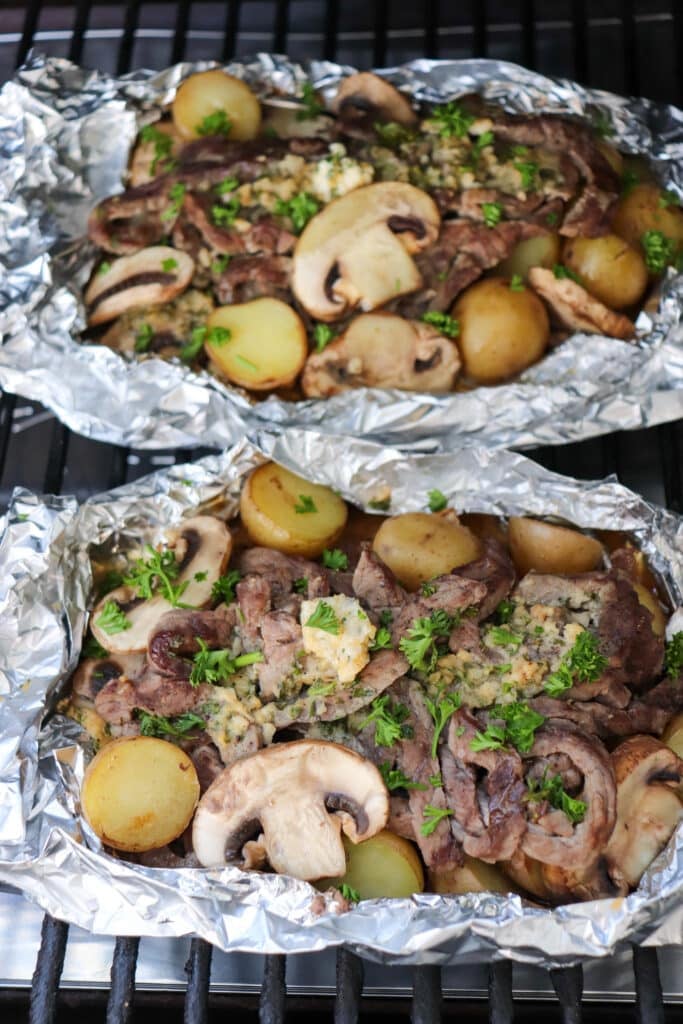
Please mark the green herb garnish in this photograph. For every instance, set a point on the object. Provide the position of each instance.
(176, 194)
(217, 123)
(528, 171)
(169, 265)
(492, 213)
(382, 640)
(310, 105)
(143, 338)
(552, 790)
(516, 283)
(629, 180)
(163, 145)
(395, 779)
(441, 712)
(504, 611)
(104, 267)
(224, 587)
(227, 185)
(392, 135)
(389, 721)
(157, 573)
(420, 643)
(157, 725)
(305, 505)
(444, 323)
(111, 619)
(322, 335)
(348, 893)
(220, 263)
(335, 559)
(217, 666)
(659, 250)
(673, 657)
(324, 617)
(224, 215)
(561, 272)
(432, 816)
(299, 209)
(436, 500)
(300, 586)
(502, 637)
(452, 120)
(582, 664)
(92, 649)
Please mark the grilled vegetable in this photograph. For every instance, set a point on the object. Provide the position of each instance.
(259, 345)
(545, 547)
(417, 546)
(385, 865)
(214, 103)
(609, 268)
(540, 251)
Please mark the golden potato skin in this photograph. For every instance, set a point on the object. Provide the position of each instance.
(640, 210)
(609, 268)
(649, 601)
(502, 331)
(540, 251)
(387, 865)
(545, 547)
(474, 876)
(209, 92)
(267, 346)
(417, 546)
(268, 508)
(139, 793)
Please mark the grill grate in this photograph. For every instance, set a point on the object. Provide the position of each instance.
(629, 47)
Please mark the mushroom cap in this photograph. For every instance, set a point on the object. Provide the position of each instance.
(138, 280)
(202, 546)
(365, 95)
(357, 250)
(301, 796)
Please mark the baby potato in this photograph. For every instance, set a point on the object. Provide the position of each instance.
(417, 546)
(502, 331)
(541, 251)
(474, 876)
(545, 547)
(202, 98)
(609, 268)
(267, 347)
(282, 510)
(383, 866)
(642, 209)
(649, 601)
(139, 793)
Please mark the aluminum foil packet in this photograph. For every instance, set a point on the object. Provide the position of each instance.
(65, 138)
(47, 851)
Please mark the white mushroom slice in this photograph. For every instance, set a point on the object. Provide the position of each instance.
(576, 308)
(202, 547)
(384, 351)
(648, 807)
(301, 796)
(147, 278)
(365, 96)
(357, 251)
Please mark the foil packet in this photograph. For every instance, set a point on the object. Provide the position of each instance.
(51, 855)
(65, 138)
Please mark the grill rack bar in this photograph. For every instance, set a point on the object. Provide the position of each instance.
(427, 995)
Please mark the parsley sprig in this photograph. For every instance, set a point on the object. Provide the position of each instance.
(452, 120)
(201, 336)
(395, 779)
(322, 336)
(504, 611)
(347, 892)
(324, 617)
(217, 666)
(335, 559)
(111, 619)
(389, 720)
(300, 208)
(143, 338)
(436, 500)
(382, 640)
(224, 215)
(673, 657)
(305, 505)
(217, 123)
(527, 171)
(552, 790)
(444, 323)
(502, 637)
(420, 644)
(441, 712)
(519, 727)
(224, 587)
(310, 105)
(582, 664)
(517, 283)
(492, 214)
(157, 573)
(432, 816)
(158, 725)
(561, 272)
(659, 250)
(227, 185)
(163, 144)
(176, 194)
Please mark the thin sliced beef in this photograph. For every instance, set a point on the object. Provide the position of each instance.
(495, 570)
(604, 721)
(375, 584)
(264, 236)
(141, 216)
(250, 277)
(534, 208)
(665, 697)
(281, 571)
(282, 643)
(254, 598)
(176, 638)
(451, 593)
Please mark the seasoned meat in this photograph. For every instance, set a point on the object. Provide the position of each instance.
(177, 634)
(280, 571)
(495, 570)
(375, 584)
(601, 720)
(282, 642)
(575, 308)
(135, 219)
(265, 235)
(254, 598)
(250, 277)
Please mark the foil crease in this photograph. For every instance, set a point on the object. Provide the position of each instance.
(65, 136)
(47, 852)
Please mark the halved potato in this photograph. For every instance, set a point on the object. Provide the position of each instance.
(267, 347)
(139, 793)
(474, 876)
(417, 546)
(545, 547)
(282, 510)
(609, 268)
(541, 251)
(211, 93)
(383, 866)
(644, 209)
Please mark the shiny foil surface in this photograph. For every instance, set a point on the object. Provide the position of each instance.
(48, 852)
(65, 138)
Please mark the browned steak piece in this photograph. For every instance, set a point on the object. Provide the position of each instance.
(495, 570)
(605, 721)
(375, 584)
(281, 571)
(177, 635)
(250, 277)
(282, 642)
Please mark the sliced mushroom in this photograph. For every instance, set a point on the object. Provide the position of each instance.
(357, 251)
(575, 308)
(202, 547)
(301, 796)
(164, 329)
(648, 774)
(93, 674)
(367, 98)
(383, 350)
(147, 278)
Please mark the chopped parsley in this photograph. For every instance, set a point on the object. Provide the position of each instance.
(348, 893)
(220, 263)
(659, 250)
(602, 123)
(395, 779)
(389, 721)
(380, 504)
(217, 666)
(427, 588)
(669, 198)
(552, 218)
(217, 123)
(491, 739)
(382, 640)
(504, 611)
(492, 213)
(157, 725)
(324, 617)
(552, 790)
(169, 265)
(335, 559)
(441, 712)
(111, 619)
(305, 505)
(516, 283)
(163, 144)
(483, 140)
(527, 171)
(224, 215)
(502, 637)
(310, 105)
(224, 587)
(582, 664)
(420, 643)
(300, 208)
(444, 323)
(227, 185)
(673, 657)
(92, 649)
(157, 573)
(243, 361)
(104, 267)
(452, 120)
(391, 134)
(519, 726)
(300, 586)
(320, 689)
(436, 500)
(176, 194)
(386, 617)
(436, 781)
(561, 272)
(629, 180)
(143, 338)
(432, 816)
(322, 335)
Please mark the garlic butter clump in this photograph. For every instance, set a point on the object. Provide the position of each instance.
(343, 644)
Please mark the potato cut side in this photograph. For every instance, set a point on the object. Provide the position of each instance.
(203, 98)
(540, 251)
(386, 865)
(474, 876)
(139, 793)
(417, 546)
(545, 547)
(282, 510)
(609, 268)
(267, 347)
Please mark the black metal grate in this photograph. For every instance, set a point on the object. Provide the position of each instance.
(630, 46)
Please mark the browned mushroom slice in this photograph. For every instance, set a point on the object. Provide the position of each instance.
(367, 98)
(202, 548)
(300, 796)
(147, 278)
(648, 806)
(385, 351)
(575, 308)
(358, 250)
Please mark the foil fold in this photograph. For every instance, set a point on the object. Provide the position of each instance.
(65, 136)
(48, 853)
